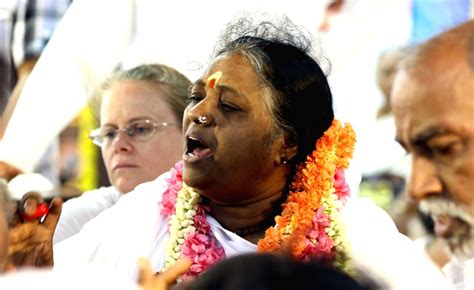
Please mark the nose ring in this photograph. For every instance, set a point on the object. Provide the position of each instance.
(202, 120)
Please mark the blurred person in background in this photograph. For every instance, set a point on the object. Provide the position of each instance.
(433, 104)
(383, 176)
(25, 29)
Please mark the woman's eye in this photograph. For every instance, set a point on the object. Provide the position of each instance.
(110, 134)
(230, 107)
(141, 129)
(195, 98)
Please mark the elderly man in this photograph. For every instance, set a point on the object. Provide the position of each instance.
(433, 102)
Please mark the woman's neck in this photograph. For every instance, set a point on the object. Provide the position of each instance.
(249, 220)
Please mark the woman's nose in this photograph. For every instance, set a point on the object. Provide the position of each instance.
(201, 113)
(424, 180)
(122, 142)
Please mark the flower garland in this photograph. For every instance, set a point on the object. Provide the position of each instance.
(190, 235)
(308, 226)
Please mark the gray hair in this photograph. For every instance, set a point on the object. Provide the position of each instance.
(281, 30)
(174, 85)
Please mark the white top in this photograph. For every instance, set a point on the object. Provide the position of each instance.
(79, 279)
(461, 273)
(381, 252)
(134, 227)
(78, 211)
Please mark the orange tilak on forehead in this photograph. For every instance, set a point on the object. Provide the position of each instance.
(213, 79)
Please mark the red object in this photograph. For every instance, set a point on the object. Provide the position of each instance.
(41, 211)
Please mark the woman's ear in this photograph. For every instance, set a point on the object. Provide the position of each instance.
(287, 153)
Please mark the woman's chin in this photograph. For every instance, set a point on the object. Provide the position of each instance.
(197, 179)
(124, 186)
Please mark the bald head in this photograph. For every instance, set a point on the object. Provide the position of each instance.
(453, 47)
(440, 64)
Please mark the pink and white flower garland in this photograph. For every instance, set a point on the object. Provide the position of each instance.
(189, 233)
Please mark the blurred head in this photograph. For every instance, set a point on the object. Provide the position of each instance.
(272, 272)
(255, 113)
(5, 216)
(140, 123)
(433, 103)
(387, 67)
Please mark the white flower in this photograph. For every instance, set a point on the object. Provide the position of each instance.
(181, 223)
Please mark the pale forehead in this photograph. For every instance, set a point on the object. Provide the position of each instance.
(132, 91)
(133, 99)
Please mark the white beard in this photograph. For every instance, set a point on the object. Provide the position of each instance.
(462, 241)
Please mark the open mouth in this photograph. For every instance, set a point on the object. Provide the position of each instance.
(196, 149)
(447, 226)
(443, 225)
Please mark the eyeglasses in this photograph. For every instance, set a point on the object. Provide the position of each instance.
(138, 131)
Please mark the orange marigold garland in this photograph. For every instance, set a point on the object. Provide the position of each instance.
(308, 225)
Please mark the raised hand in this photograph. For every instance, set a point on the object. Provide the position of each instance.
(31, 242)
(147, 280)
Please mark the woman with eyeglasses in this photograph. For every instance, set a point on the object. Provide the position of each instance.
(140, 112)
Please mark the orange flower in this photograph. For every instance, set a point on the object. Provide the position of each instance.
(314, 180)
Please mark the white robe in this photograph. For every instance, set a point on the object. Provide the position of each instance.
(461, 273)
(78, 279)
(134, 227)
(78, 211)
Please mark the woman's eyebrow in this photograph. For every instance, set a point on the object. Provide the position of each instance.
(223, 88)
